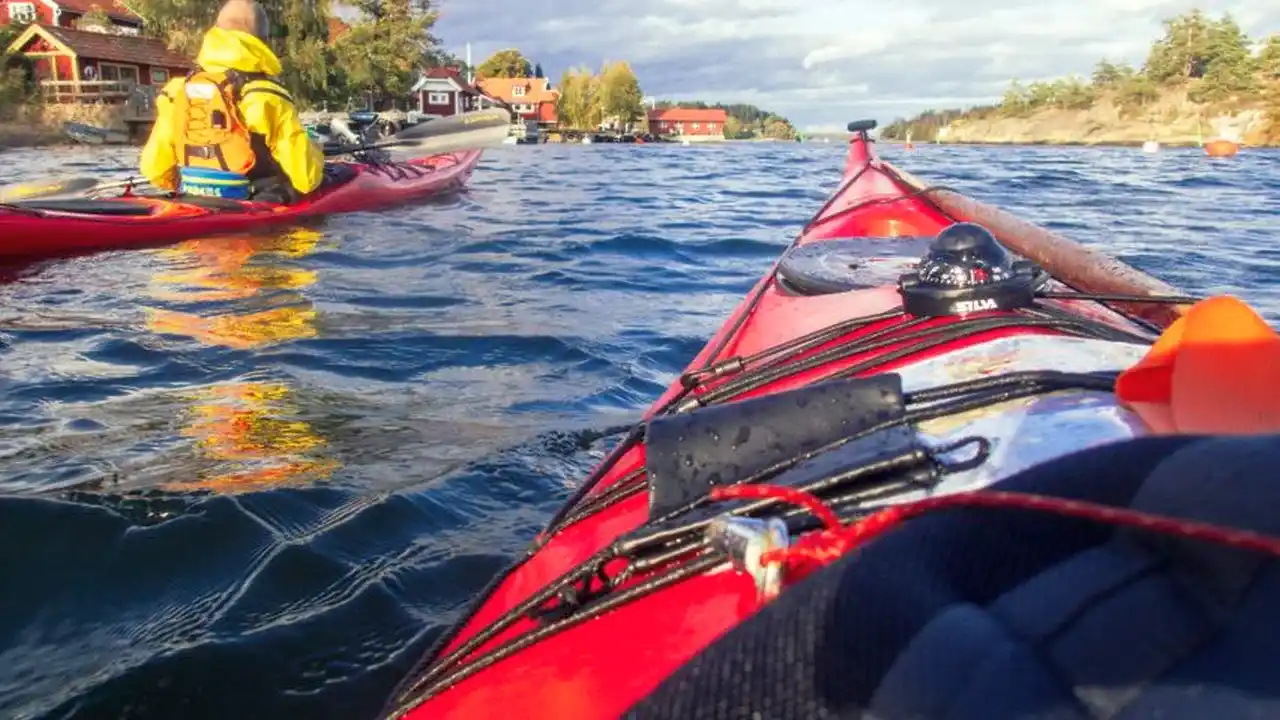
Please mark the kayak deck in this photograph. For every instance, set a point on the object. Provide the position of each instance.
(619, 591)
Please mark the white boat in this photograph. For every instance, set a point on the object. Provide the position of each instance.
(93, 135)
(1150, 146)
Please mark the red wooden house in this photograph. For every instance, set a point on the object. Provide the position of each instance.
(699, 123)
(64, 13)
(443, 92)
(531, 99)
(89, 65)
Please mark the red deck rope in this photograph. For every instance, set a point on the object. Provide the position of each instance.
(837, 538)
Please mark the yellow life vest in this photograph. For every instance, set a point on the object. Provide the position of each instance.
(209, 130)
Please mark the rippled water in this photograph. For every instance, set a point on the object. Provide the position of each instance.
(258, 475)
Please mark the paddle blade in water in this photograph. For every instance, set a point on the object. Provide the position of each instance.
(45, 188)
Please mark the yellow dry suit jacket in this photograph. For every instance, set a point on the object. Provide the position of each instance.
(266, 107)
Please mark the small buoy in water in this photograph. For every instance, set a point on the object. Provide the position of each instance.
(1221, 148)
(1150, 146)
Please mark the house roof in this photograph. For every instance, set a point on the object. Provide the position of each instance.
(689, 115)
(104, 46)
(536, 90)
(444, 73)
(337, 29)
(113, 8)
(450, 76)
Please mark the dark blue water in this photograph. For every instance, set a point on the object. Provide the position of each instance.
(257, 476)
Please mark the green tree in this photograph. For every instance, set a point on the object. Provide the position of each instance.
(1230, 67)
(1073, 93)
(537, 71)
(1269, 59)
(507, 63)
(1041, 94)
(180, 23)
(733, 128)
(300, 30)
(619, 95)
(778, 128)
(385, 50)
(1108, 74)
(1137, 92)
(1017, 100)
(1184, 52)
(95, 18)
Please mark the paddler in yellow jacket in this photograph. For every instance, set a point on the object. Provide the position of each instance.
(229, 129)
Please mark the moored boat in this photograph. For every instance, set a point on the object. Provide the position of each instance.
(910, 345)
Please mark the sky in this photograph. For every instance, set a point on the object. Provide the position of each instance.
(822, 63)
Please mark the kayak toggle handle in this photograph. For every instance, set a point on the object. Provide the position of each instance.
(746, 541)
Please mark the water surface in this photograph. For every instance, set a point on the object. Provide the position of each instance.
(255, 476)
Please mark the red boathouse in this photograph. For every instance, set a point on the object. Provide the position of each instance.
(701, 123)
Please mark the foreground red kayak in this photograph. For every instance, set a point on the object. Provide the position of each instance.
(43, 228)
(896, 351)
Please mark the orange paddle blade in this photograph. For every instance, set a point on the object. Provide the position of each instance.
(1214, 370)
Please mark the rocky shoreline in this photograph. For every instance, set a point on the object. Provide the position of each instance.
(1172, 122)
(20, 135)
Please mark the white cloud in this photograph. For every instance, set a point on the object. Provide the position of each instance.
(824, 62)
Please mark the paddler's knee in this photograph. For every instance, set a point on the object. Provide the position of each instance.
(274, 190)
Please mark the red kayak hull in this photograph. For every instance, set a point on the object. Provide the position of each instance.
(28, 234)
(599, 668)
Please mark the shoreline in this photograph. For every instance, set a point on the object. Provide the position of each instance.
(15, 135)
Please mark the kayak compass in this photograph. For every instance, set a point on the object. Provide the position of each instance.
(966, 270)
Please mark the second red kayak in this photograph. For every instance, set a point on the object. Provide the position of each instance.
(49, 228)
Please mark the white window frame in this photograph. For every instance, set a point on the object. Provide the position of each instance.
(28, 17)
(697, 126)
(517, 91)
(102, 71)
(437, 98)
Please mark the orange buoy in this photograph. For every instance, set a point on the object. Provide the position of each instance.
(1221, 148)
(1214, 370)
(909, 146)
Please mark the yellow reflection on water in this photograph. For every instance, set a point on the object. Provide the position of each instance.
(249, 430)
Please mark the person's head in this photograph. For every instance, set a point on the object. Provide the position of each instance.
(246, 16)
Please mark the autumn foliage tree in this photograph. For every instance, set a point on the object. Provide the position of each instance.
(587, 100)
(578, 106)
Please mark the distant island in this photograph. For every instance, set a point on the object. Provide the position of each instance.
(1205, 78)
(613, 96)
